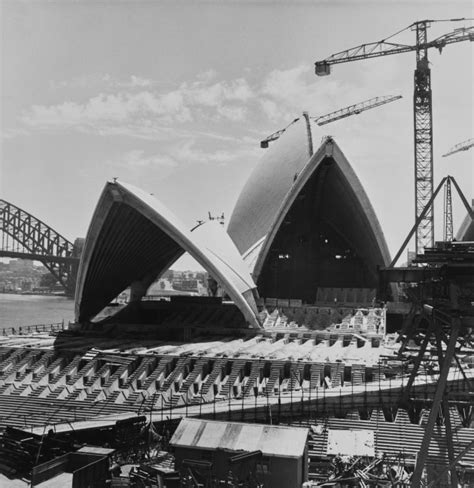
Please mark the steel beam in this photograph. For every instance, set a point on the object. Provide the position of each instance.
(447, 418)
(417, 222)
(39, 257)
(30, 238)
(417, 362)
(438, 397)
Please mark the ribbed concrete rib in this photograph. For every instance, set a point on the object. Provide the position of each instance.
(134, 238)
(267, 186)
(466, 229)
(281, 177)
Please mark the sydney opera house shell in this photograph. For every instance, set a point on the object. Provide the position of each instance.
(466, 229)
(295, 335)
(133, 239)
(302, 224)
(303, 221)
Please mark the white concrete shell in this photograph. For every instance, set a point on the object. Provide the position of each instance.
(372, 241)
(466, 229)
(271, 209)
(260, 199)
(133, 238)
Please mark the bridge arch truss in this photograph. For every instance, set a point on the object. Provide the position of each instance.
(24, 236)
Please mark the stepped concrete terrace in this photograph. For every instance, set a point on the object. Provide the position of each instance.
(310, 371)
(344, 376)
(96, 374)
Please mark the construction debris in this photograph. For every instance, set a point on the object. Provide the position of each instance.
(364, 472)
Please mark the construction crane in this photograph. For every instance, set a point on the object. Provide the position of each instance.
(337, 115)
(462, 146)
(220, 219)
(276, 135)
(448, 232)
(448, 205)
(422, 102)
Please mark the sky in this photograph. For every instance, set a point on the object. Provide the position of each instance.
(174, 97)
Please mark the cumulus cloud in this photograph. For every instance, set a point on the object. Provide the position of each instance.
(189, 153)
(137, 159)
(102, 81)
(108, 109)
(139, 81)
(136, 108)
(186, 152)
(286, 84)
(286, 93)
(146, 110)
(12, 133)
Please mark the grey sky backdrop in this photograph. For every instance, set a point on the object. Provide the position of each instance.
(174, 97)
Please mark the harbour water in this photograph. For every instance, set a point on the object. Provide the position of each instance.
(20, 310)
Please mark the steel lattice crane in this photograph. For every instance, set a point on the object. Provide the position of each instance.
(448, 205)
(448, 232)
(337, 115)
(462, 146)
(422, 101)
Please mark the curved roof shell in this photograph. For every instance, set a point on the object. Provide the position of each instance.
(466, 229)
(133, 238)
(307, 201)
(260, 199)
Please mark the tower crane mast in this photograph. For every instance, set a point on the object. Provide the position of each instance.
(422, 105)
(448, 206)
(448, 232)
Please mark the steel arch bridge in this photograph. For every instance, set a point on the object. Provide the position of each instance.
(24, 236)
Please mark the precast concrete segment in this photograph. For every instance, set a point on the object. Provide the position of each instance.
(210, 236)
(133, 238)
(267, 186)
(271, 208)
(466, 229)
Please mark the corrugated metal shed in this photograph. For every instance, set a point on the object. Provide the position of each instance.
(272, 440)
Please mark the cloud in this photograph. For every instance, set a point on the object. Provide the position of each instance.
(12, 133)
(103, 82)
(141, 114)
(137, 159)
(285, 84)
(189, 153)
(146, 110)
(137, 81)
(207, 76)
(234, 113)
(185, 153)
(136, 108)
(287, 93)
